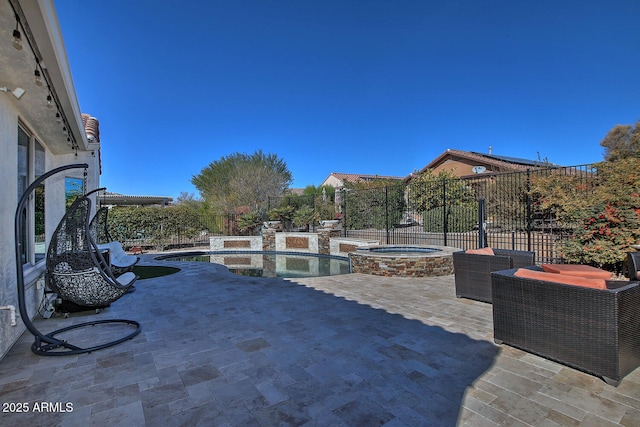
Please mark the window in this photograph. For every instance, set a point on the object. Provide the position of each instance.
(39, 236)
(31, 165)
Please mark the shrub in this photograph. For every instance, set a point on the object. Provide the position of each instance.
(605, 216)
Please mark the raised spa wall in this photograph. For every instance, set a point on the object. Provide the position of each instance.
(439, 263)
(329, 242)
(324, 242)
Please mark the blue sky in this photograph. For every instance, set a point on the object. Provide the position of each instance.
(371, 87)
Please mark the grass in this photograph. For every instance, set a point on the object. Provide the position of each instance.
(151, 271)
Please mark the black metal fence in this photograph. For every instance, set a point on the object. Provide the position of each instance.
(165, 234)
(498, 210)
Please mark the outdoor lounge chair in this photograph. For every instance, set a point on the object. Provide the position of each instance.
(473, 271)
(119, 260)
(76, 266)
(593, 330)
(75, 225)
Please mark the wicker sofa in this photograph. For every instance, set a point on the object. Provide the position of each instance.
(473, 271)
(593, 330)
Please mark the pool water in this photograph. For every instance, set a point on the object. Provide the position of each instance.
(272, 264)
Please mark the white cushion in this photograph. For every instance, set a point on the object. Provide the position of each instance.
(126, 278)
(117, 255)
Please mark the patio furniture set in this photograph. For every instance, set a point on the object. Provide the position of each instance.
(572, 314)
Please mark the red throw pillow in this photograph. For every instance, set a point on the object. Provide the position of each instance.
(481, 251)
(566, 279)
(578, 270)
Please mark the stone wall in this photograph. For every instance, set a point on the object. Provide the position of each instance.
(235, 243)
(325, 242)
(402, 266)
(269, 239)
(296, 242)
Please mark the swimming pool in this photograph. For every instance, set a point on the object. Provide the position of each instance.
(270, 264)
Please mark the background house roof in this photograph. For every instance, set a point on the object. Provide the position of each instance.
(337, 179)
(43, 49)
(463, 162)
(116, 199)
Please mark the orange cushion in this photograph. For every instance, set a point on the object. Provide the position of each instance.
(561, 278)
(577, 270)
(481, 251)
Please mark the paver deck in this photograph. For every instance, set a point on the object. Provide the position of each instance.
(218, 349)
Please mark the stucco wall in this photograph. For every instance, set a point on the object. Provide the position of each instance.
(8, 174)
(54, 210)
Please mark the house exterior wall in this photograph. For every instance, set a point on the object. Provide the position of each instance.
(54, 210)
(8, 174)
(332, 181)
(22, 111)
(458, 167)
(463, 167)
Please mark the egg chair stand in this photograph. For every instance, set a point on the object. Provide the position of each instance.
(49, 344)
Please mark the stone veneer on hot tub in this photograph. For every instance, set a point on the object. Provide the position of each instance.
(415, 262)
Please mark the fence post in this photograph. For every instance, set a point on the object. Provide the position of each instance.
(445, 213)
(482, 238)
(343, 201)
(529, 219)
(386, 211)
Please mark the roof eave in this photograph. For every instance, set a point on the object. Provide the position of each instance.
(43, 22)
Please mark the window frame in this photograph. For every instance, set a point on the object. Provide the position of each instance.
(35, 158)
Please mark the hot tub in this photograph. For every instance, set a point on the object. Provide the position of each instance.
(403, 260)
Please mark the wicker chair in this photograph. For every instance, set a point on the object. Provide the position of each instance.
(76, 268)
(593, 330)
(473, 271)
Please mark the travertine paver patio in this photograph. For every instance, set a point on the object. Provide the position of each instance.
(355, 350)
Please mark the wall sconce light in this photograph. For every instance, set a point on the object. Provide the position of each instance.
(17, 37)
(49, 101)
(17, 92)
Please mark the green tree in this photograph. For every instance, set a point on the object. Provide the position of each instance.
(190, 200)
(304, 216)
(375, 204)
(284, 214)
(243, 180)
(153, 226)
(604, 213)
(505, 198)
(249, 223)
(621, 142)
(430, 194)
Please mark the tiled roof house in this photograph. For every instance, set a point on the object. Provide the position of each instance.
(468, 163)
(337, 179)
